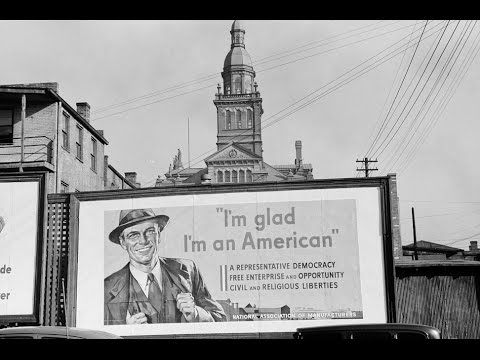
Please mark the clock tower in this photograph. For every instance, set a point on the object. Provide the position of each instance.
(238, 101)
(239, 155)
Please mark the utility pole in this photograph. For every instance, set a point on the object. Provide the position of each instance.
(22, 144)
(366, 161)
(414, 236)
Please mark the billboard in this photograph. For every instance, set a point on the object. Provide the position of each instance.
(203, 262)
(21, 231)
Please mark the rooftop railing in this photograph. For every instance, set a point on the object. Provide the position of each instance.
(237, 96)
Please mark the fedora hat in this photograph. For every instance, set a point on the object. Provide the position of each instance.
(131, 217)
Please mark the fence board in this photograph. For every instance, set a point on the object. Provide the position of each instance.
(444, 297)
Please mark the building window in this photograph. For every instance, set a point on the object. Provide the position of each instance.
(219, 176)
(93, 156)
(79, 143)
(227, 176)
(241, 176)
(63, 187)
(228, 120)
(6, 126)
(239, 119)
(238, 85)
(249, 118)
(66, 131)
(234, 176)
(248, 85)
(249, 176)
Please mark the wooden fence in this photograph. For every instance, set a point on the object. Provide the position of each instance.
(56, 246)
(444, 294)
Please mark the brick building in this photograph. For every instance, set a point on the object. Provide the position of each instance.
(239, 155)
(40, 131)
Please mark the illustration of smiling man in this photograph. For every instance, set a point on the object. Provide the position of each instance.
(150, 288)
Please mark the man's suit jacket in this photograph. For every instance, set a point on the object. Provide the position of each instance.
(184, 276)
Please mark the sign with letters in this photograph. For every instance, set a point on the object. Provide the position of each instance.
(21, 229)
(232, 261)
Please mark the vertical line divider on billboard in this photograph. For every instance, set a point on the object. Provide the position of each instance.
(71, 296)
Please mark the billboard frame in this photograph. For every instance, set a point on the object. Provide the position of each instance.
(382, 183)
(39, 277)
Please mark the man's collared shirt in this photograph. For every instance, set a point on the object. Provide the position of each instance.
(142, 277)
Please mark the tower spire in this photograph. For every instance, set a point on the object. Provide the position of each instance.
(238, 34)
(239, 107)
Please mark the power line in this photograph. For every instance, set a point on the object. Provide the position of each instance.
(389, 118)
(390, 115)
(214, 75)
(193, 82)
(440, 108)
(346, 81)
(443, 103)
(396, 153)
(418, 83)
(209, 77)
(398, 91)
(388, 95)
(445, 214)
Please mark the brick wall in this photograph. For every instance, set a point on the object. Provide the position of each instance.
(395, 215)
(78, 173)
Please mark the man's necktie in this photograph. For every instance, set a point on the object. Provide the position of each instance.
(154, 293)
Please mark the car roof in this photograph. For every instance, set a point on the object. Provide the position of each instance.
(60, 330)
(372, 327)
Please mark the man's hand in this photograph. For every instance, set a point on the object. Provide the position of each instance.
(186, 304)
(138, 318)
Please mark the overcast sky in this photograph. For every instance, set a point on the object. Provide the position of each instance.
(432, 151)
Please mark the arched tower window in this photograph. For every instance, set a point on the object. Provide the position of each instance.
(249, 176)
(219, 176)
(234, 176)
(249, 118)
(228, 120)
(227, 176)
(241, 176)
(238, 85)
(248, 85)
(239, 119)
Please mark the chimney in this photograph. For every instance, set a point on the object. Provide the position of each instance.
(105, 171)
(473, 246)
(84, 110)
(298, 148)
(131, 176)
